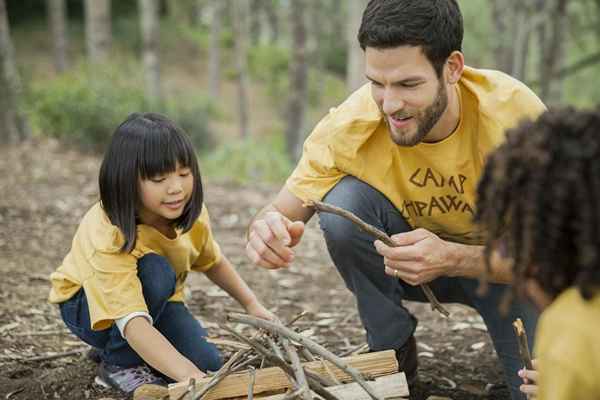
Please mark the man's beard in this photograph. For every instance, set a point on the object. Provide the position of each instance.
(424, 120)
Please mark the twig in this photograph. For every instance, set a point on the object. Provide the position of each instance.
(42, 333)
(191, 389)
(302, 314)
(14, 392)
(309, 344)
(355, 350)
(523, 346)
(329, 372)
(328, 208)
(313, 381)
(298, 369)
(225, 370)
(294, 394)
(55, 356)
(307, 354)
(251, 384)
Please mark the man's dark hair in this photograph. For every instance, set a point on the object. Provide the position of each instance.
(539, 198)
(435, 25)
(145, 145)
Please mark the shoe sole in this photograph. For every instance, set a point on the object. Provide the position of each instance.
(100, 382)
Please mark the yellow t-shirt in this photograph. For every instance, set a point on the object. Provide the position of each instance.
(433, 185)
(109, 277)
(567, 347)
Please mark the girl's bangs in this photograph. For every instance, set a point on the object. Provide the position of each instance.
(160, 152)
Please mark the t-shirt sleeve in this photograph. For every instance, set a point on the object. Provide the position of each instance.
(210, 252)
(316, 172)
(113, 290)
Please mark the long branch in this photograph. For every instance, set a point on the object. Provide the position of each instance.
(328, 208)
(306, 342)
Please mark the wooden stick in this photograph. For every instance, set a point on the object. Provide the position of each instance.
(297, 367)
(317, 387)
(55, 356)
(328, 208)
(306, 342)
(225, 370)
(251, 384)
(523, 346)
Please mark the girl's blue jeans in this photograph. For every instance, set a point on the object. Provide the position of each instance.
(379, 297)
(172, 319)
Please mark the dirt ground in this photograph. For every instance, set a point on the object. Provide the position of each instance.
(44, 191)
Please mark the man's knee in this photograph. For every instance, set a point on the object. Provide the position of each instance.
(347, 194)
(157, 277)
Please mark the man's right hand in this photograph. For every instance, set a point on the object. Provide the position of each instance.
(271, 238)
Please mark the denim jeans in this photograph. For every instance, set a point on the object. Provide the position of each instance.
(172, 319)
(379, 297)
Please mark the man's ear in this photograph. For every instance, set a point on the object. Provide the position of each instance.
(455, 64)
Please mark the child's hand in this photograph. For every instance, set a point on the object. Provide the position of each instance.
(258, 310)
(530, 378)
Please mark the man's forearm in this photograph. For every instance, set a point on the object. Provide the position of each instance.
(468, 261)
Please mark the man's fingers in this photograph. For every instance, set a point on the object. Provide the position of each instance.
(263, 233)
(410, 237)
(257, 259)
(265, 252)
(278, 224)
(296, 230)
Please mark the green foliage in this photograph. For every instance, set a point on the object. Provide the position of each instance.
(85, 105)
(269, 64)
(246, 161)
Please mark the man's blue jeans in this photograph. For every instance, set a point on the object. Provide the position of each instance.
(387, 322)
(172, 319)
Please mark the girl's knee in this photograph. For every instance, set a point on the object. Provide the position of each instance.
(157, 277)
(209, 359)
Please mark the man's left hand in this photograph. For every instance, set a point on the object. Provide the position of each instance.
(421, 256)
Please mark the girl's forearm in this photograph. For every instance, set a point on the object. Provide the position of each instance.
(158, 352)
(226, 277)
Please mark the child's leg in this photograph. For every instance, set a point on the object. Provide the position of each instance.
(173, 320)
(158, 285)
(184, 331)
(76, 315)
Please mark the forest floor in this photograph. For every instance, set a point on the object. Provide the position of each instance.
(46, 188)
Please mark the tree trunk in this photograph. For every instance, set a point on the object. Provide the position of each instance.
(270, 7)
(214, 52)
(58, 27)
(149, 23)
(298, 79)
(240, 9)
(554, 54)
(501, 19)
(98, 29)
(355, 66)
(13, 125)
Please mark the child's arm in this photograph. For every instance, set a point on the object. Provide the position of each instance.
(158, 352)
(226, 277)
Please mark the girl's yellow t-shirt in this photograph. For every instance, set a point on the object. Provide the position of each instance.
(109, 277)
(567, 348)
(433, 185)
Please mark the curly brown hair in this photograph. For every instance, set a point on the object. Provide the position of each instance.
(539, 199)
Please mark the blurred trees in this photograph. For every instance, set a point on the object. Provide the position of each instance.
(355, 73)
(13, 125)
(98, 29)
(298, 80)
(240, 10)
(150, 32)
(57, 21)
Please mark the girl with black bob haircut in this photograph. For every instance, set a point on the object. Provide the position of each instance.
(120, 287)
(539, 201)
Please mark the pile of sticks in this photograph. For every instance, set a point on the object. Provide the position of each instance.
(293, 363)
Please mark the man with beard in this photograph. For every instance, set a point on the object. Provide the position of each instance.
(404, 153)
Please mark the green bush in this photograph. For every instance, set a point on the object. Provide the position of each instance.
(250, 160)
(269, 64)
(85, 105)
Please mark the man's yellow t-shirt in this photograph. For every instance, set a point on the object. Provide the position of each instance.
(109, 276)
(433, 185)
(567, 348)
